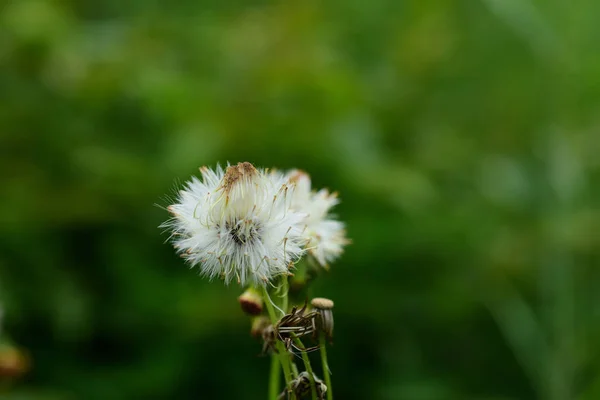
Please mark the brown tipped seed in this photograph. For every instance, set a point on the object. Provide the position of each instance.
(246, 168)
(322, 303)
(297, 175)
(251, 302)
(235, 173)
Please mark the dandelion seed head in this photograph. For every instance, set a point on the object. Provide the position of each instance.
(237, 224)
(326, 236)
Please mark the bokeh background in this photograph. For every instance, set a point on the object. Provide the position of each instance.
(463, 137)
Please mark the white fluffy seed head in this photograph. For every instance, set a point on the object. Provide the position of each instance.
(238, 224)
(325, 236)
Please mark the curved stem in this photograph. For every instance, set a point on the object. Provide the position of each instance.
(323, 351)
(270, 308)
(285, 363)
(307, 366)
(282, 353)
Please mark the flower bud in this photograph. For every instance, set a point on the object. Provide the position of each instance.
(13, 362)
(301, 386)
(251, 302)
(259, 324)
(322, 303)
(325, 308)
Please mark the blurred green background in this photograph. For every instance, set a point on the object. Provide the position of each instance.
(463, 137)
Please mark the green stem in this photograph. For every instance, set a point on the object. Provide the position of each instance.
(274, 378)
(282, 353)
(294, 369)
(307, 366)
(323, 351)
(285, 363)
(285, 289)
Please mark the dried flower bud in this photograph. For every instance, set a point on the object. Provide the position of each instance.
(13, 362)
(296, 323)
(251, 302)
(269, 339)
(259, 324)
(301, 386)
(325, 309)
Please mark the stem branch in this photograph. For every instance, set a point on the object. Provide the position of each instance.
(282, 352)
(307, 366)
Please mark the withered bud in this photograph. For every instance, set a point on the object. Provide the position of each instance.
(259, 324)
(251, 302)
(301, 386)
(13, 362)
(269, 339)
(325, 309)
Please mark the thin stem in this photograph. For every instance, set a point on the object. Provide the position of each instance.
(282, 353)
(270, 309)
(294, 369)
(323, 351)
(307, 366)
(285, 289)
(274, 378)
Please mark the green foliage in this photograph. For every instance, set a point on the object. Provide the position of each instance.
(462, 137)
